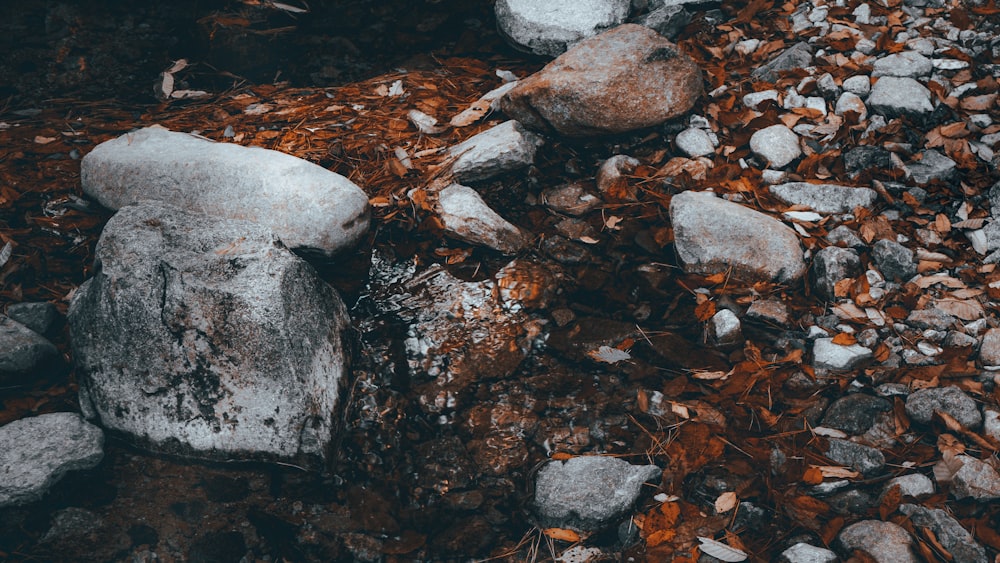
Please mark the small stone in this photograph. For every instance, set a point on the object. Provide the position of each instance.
(855, 413)
(551, 28)
(37, 452)
(932, 318)
(467, 217)
(920, 406)
(71, 523)
(850, 502)
(571, 199)
(894, 96)
(976, 479)
(933, 166)
(706, 229)
(754, 99)
(866, 157)
(991, 423)
(884, 541)
(825, 198)
(827, 355)
(989, 350)
(949, 533)
(911, 485)
(724, 329)
(827, 85)
(588, 493)
(24, 353)
(795, 57)
(907, 63)
(860, 85)
(831, 265)
(894, 260)
(501, 149)
(851, 102)
(39, 317)
(777, 145)
(668, 20)
(695, 142)
(770, 311)
(806, 553)
(865, 459)
(844, 237)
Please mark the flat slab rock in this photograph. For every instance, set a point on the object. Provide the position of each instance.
(550, 27)
(208, 338)
(588, 493)
(824, 198)
(37, 452)
(624, 79)
(713, 235)
(309, 207)
(504, 148)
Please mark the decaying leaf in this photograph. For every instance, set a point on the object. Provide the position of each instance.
(726, 502)
(720, 550)
(562, 534)
(609, 355)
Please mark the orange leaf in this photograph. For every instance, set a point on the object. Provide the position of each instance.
(812, 476)
(660, 537)
(561, 534)
(561, 456)
(845, 339)
(705, 310)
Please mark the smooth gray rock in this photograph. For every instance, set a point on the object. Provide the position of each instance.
(858, 84)
(588, 493)
(855, 413)
(777, 145)
(894, 96)
(907, 63)
(976, 479)
(39, 317)
(668, 21)
(309, 207)
(956, 539)
(724, 329)
(795, 57)
(991, 423)
(37, 452)
(549, 28)
(209, 338)
(911, 485)
(851, 102)
(806, 553)
(832, 264)
(468, 218)
(920, 406)
(695, 141)
(713, 235)
(989, 349)
(894, 260)
(843, 236)
(624, 79)
(885, 541)
(865, 459)
(24, 354)
(825, 198)
(827, 355)
(933, 166)
(498, 150)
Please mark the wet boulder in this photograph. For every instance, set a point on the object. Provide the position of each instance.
(309, 207)
(713, 235)
(209, 338)
(549, 28)
(624, 79)
(36, 452)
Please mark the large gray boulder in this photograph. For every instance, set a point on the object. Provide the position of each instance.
(36, 452)
(309, 207)
(550, 27)
(713, 235)
(206, 337)
(624, 79)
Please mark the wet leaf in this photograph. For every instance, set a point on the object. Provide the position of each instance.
(609, 355)
(561, 534)
(720, 550)
(845, 339)
(726, 502)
